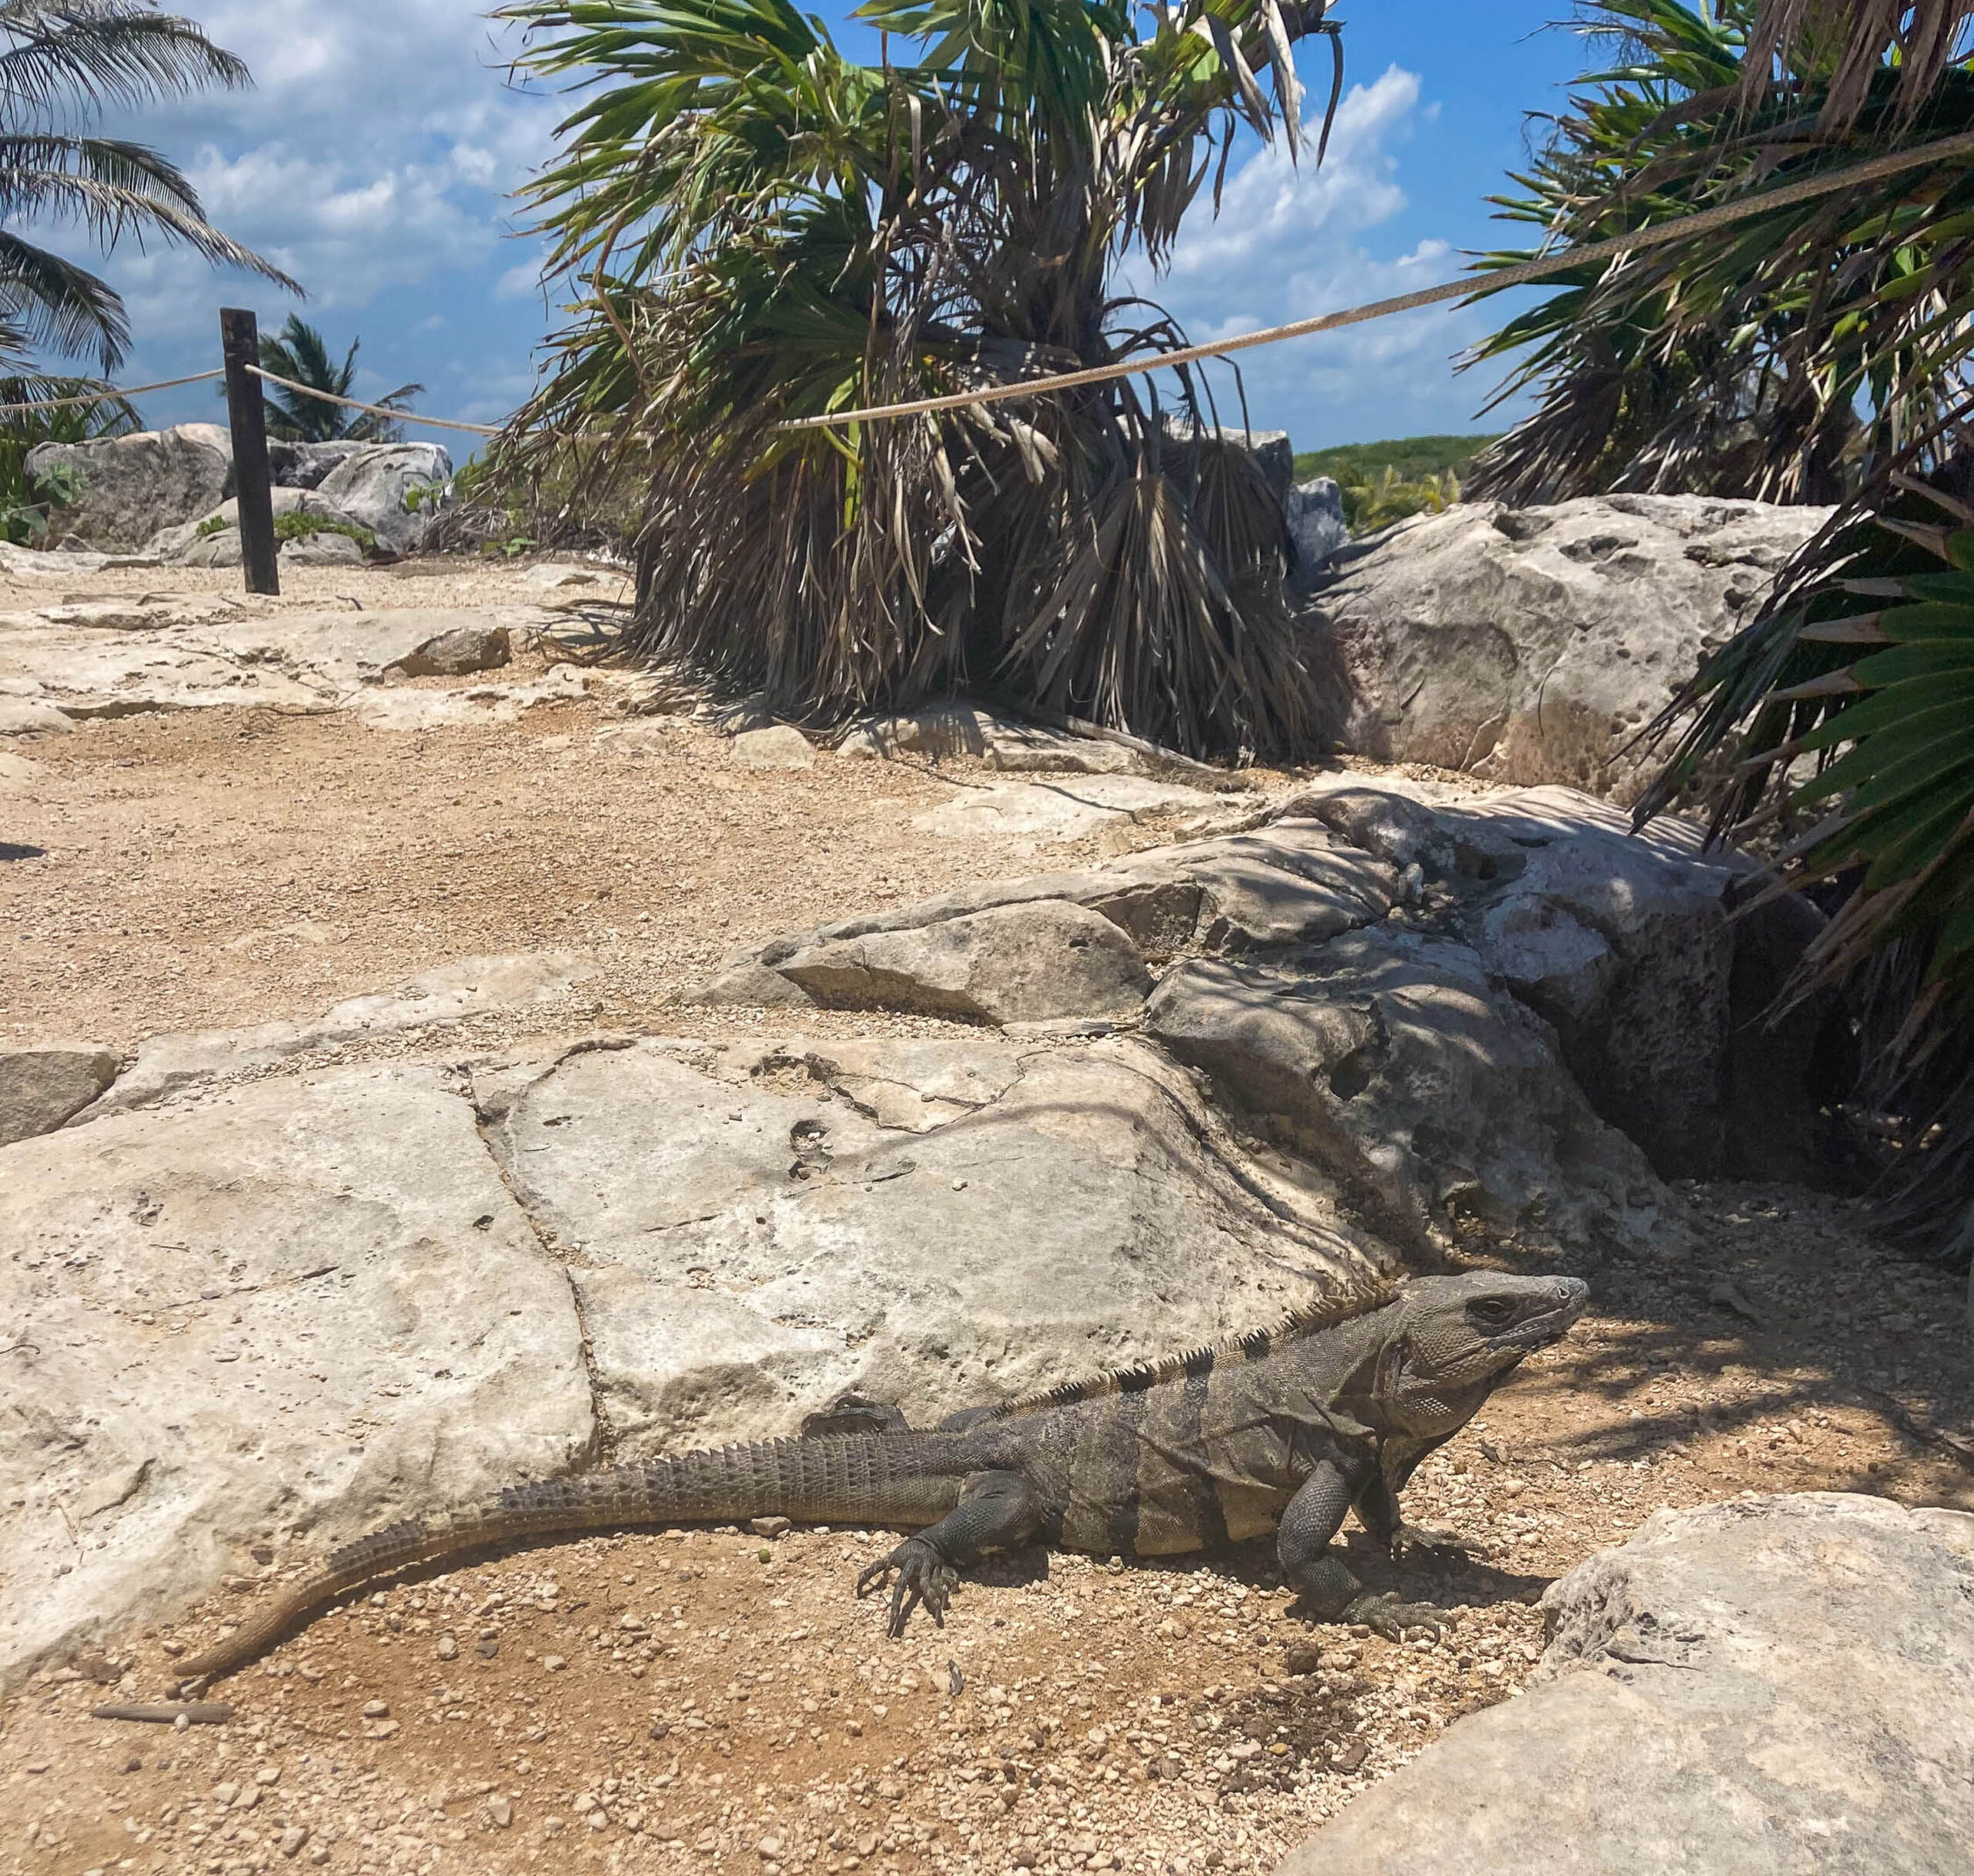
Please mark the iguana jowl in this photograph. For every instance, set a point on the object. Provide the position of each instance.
(1284, 1429)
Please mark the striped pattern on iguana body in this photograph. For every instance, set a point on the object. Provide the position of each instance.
(1285, 1430)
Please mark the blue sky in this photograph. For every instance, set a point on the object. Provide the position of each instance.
(374, 157)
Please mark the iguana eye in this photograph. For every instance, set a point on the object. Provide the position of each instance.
(1490, 1312)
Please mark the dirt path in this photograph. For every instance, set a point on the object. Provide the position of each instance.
(717, 1700)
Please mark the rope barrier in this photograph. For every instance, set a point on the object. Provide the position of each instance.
(1701, 223)
(379, 410)
(103, 396)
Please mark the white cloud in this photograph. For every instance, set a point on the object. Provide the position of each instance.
(1293, 240)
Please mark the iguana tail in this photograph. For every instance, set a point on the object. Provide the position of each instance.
(903, 1480)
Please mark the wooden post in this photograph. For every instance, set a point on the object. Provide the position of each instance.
(240, 341)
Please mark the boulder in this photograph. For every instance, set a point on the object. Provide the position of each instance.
(294, 465)
(1532, 646)
(1777, 1686)
(1388, 1059)
(40, 1088)
(224, 548)
(1028, 963)
(314, 1303)
(131, 487)
(30, 716)
(935, 1223)
(1314, 510)
(180, 542)
(371, 487)
(324, 550)
(781, 747)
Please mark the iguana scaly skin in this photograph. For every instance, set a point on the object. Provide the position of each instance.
(1284, 1429)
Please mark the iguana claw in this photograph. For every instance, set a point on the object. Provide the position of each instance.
(923, 1576)
(1409, 1538)
(1390, 1617)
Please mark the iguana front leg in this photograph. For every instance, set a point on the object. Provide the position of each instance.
(1377, 1505)
(1319, 1576)
(997, 1512)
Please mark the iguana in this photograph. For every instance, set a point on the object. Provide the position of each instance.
(1284, 1429)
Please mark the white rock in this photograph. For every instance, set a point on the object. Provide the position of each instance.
(133, 486)
(311, 1307)
(1065, 810)
(1767, 1687)
(168, 1065)
(781, 746)
(1037, 1214)
(1529, 645)
(371, 487)
(323, 550)
(30, 716)
(1015, 964)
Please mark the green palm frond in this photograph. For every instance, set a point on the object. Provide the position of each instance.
(301, 354)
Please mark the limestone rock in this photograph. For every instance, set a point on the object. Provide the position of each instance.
(1287, 884)
(1065, 810)
(349, 648)
(1777, 1686)
(1388, 1059)
(1316, 524)
(371, 487)
(30, 716)
(1529, 645)
(934, 1223)
(781, 747)
(949, 730)
(184, 542)
(306, 465)
(1014, 964)
(297, 1314)
(223, 548)
(40, 1088)
(324, 550)
(132, 486)
(169, 1065)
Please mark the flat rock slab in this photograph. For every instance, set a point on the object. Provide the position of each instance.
(997, 742)
(752, 1230)
(1769, 1687)
(1015, 964)
(40, 1088)
(1063, 810)
(168, 1065)
(310, 1303)
(300, 661)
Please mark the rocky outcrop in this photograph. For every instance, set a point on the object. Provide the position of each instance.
(128, 488)
(1532, 646)
(140, 659)
(1509, 1005)
(310, 1304)
(213, 540)
(372, 488)
(1769, 1687)
(1388, 1059)
(40, 1088)
(1027, 963)
(1314, 510)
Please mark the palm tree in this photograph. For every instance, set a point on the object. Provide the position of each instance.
(299, 353)
(762, 229)
(61, 60)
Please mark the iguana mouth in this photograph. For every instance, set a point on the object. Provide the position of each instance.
(1550, 1325)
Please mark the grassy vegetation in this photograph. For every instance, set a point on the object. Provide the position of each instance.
(1412, 459)
(1382, 483)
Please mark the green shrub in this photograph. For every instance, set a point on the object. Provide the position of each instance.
(212, 524)
(299, 525)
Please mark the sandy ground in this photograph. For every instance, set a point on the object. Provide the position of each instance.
(717, 1700)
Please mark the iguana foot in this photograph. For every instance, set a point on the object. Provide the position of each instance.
(1409, 1538)
(1390, 1617)
(923, 1576)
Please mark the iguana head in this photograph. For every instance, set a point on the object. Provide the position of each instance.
(1453, 1339)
